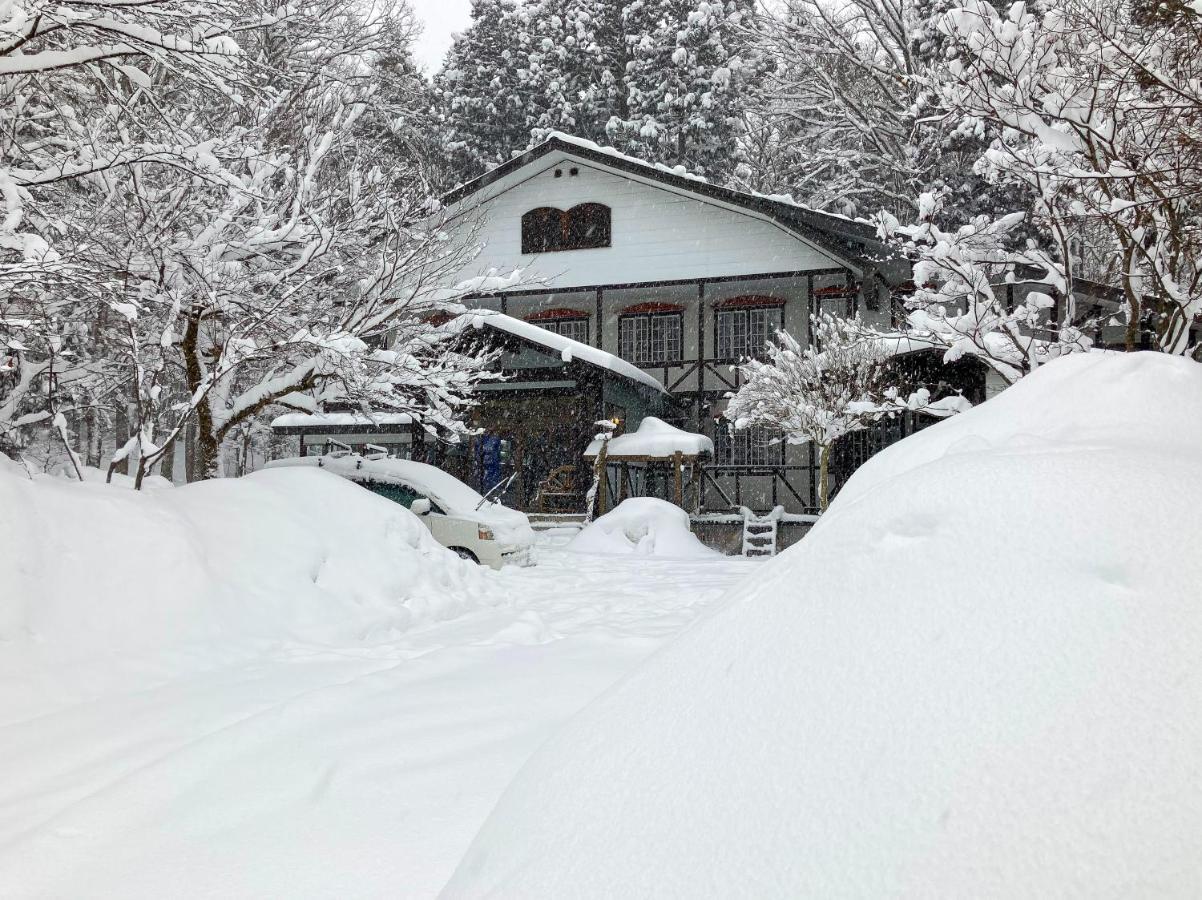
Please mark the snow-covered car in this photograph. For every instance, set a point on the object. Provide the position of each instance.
(460, 519)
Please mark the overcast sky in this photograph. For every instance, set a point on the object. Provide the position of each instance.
(441, 18)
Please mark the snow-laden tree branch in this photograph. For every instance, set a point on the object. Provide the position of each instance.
(839, 383)
(1098, 111)
(970, 301)
(237, 242)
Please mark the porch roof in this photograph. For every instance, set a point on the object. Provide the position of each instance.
(568, 350)
(298, 423)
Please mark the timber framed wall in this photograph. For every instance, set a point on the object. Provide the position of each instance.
(698, 377)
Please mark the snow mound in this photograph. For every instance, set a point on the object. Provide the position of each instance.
(91, 574)
(1095, 394)
(644, 526)
(978, 676)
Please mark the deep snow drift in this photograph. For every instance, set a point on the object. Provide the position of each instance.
(978, 676)
(643, 526)
(279, 686)
(186, 577)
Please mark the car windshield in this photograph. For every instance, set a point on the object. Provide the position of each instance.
(441, 487)
(399, 493)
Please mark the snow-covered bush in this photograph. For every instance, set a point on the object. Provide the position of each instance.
(836, 384)
(978, 675)
(643, 526)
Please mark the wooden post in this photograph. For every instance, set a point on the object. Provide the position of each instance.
(625, 480)
(678, 471)
(602, 479)
(701, 406)
(519, 458)
(600, 321)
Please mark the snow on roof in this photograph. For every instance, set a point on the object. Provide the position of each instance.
(656, 438)
(339, 419)
(567, 348)
(618, 154)
(680, 171)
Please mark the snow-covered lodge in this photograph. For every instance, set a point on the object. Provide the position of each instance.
(642, 287)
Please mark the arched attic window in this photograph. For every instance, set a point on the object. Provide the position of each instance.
(583, 227)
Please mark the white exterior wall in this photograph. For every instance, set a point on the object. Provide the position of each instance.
(658, 233)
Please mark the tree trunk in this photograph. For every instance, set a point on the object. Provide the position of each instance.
(95, 446)
(824, 465)
(208, 448)
(190, 452)
(120, 436)
(167, 468)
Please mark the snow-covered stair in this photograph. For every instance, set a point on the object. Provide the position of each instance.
(759, 532)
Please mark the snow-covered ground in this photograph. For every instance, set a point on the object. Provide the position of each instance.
(978, 676)
(343, 768)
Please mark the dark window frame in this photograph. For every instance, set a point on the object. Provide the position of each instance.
(386, 488)
(548, 229)
(676, 360)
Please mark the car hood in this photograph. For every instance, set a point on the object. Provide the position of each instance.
(510, 526)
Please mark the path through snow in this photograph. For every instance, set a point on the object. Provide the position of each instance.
(330, 772)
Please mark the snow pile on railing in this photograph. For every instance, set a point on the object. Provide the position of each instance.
(978, 675)
(93, 576)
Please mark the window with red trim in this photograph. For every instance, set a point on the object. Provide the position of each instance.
(749, 301)
(839, 299)
(746, 324)
(651, 334)
(571, 323)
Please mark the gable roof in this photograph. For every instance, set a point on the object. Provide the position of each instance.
(839, 236)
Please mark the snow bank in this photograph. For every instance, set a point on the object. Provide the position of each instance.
(90, 574)
(656, 438)
(978, 676)
(643, 526)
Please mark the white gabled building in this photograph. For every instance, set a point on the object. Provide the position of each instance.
(678, 276)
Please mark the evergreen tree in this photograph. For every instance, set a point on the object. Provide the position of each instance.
(481, 93)
(399, 130)
(685, 82)
(663, 79)
(576, 60)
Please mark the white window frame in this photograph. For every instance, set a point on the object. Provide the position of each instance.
(568, 326)
(743, 331)
(651, 339)
(758, 446)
